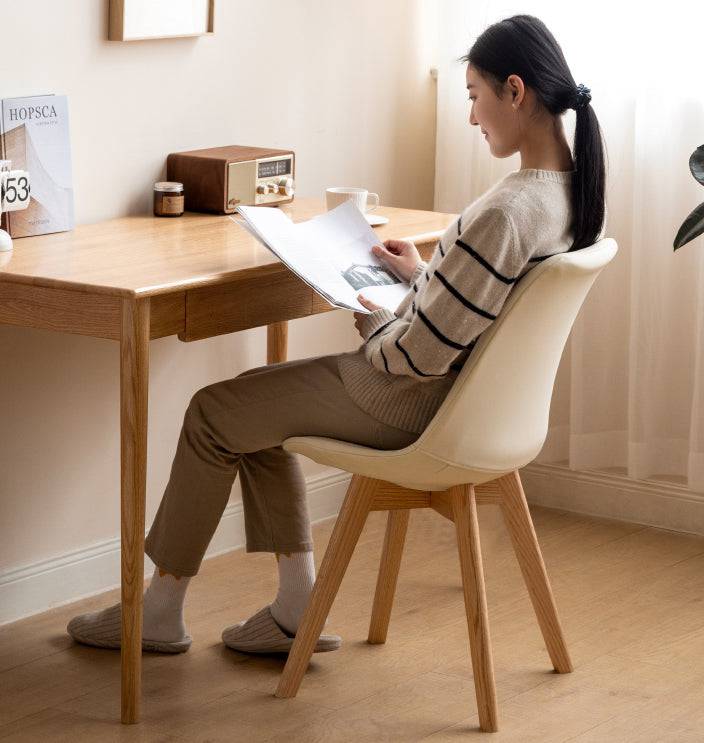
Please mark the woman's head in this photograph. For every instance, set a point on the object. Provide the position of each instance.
(494, 107)
(521, 85)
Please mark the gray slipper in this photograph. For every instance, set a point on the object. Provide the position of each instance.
(261, 633)
(103, 629)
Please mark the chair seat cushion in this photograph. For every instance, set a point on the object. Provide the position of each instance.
(407, 467)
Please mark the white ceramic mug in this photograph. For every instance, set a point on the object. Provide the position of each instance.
(338, 194)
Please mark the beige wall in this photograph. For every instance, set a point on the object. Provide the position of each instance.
(347, 86)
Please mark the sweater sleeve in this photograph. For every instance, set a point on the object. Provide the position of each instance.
(454, 302)
(418, 270)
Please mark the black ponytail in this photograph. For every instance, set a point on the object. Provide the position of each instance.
(522, 45)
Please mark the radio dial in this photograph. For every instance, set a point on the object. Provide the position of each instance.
(271, 187)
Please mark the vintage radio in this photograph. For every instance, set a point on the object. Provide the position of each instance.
(219, 179)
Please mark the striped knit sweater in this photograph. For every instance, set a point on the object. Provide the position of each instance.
(402, 372)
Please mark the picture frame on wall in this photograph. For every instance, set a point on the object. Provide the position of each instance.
(134, 20)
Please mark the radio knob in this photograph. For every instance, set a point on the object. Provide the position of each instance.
(262, 188)
(286, 186)
(271, 187)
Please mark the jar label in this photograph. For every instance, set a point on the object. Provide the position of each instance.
(172, 204)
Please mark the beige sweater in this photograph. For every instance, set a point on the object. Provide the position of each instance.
(402, 372)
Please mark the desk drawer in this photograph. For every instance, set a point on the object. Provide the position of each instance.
(248, 303)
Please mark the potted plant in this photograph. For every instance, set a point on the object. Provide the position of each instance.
(693, 226)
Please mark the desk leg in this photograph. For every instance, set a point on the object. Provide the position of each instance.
(134, 378)
(276, 342)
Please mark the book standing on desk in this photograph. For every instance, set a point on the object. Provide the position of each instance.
(34, 135)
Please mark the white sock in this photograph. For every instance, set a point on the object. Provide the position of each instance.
(296, 579)
(163, 607)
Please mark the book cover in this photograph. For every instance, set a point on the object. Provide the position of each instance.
(34, 134)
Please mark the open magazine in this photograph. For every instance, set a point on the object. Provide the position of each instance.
(330, 252)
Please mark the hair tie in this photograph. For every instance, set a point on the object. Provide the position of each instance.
(583, 97)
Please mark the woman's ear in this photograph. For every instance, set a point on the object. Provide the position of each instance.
(516, 85)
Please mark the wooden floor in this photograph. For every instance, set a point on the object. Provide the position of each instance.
(630, 600)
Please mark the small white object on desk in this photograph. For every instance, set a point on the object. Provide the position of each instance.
(376, 219)
(14, 195)
(5, 242)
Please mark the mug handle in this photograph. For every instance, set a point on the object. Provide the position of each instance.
(375, 196)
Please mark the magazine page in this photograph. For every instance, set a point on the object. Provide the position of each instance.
(331, 252)
(274, 231)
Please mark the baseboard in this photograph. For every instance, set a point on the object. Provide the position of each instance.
(60, 580)
(658, 503)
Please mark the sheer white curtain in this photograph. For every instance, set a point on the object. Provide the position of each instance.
(630, 387)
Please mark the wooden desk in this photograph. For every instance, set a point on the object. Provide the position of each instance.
(137, 278)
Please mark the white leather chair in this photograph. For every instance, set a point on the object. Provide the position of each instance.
(493, 422)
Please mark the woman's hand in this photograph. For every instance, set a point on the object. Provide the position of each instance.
(400, 256)
(359, 316)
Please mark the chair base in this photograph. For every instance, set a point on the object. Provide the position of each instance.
(459, 504)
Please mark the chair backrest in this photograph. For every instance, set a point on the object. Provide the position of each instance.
(497, 410)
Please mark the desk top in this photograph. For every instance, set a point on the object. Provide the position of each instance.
(146, 256)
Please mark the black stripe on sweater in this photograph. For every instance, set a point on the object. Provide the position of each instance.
(411, 364)
(378, 330)
(459, 232)
(459, 364)
(487, 265)
(464, 301)
(386, 363)
(438, 334)
(541, 257)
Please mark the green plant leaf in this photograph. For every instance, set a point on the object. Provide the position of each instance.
(696, 164)
(692, 227)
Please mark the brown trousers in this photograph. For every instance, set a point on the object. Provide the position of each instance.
(238, 425)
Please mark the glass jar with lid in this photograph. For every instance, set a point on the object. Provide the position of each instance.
(168, 199)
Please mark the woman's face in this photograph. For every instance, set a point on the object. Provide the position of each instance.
(496, 116)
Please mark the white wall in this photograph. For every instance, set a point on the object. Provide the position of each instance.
(347, 86)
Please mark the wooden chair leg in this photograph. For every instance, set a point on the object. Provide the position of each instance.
(348, 527)
(396, 528)
(525, 544)
(276, 342)
(464, 512)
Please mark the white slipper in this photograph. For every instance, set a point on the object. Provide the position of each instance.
(261, 633)
(103, 629)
